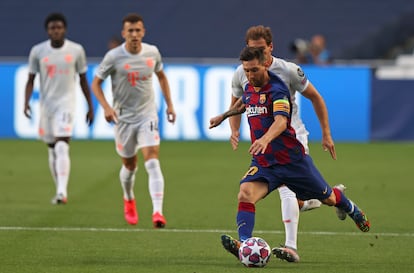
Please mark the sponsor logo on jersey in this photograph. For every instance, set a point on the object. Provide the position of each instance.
(255, 110)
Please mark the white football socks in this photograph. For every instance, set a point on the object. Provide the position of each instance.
(290, 215)
(52, 164)
(62, 166)
(127, 179)
(155, 184)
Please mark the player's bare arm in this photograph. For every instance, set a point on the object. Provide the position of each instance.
(28, 95)
(234, 122)
(87, 93)
(321, 111)
(237, 108)
(165, 89)
(278, 126)
(109, 112)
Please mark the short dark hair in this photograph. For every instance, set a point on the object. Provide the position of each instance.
(55, 16)
(132, 18)
(251, 53)
(257, 32)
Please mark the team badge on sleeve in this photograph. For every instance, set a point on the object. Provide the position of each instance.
(281, 105)
(300, 72)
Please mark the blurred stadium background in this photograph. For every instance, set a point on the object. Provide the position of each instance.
(371, 43)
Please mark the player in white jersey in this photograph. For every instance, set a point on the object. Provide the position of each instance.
(296, 81)
(131, 67)
(57, 61)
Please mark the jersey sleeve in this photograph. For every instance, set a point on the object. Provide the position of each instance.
(237, 87)
(281, 106)
(281, 100)
(299, 81)
(158, 60)
(105, 67)
(33, 61)
(81, 64)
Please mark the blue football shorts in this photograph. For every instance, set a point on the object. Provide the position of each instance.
(302, 177)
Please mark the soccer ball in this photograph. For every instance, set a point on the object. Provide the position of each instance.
(254, 252)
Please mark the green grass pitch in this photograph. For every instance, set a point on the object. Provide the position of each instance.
(89, 234)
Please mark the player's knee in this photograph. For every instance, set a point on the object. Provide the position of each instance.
(244, 193)
(61, 147)
(251, 192)
(330, 201)
(152, 163)
(130, 163)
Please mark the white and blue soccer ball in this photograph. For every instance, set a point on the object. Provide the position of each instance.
(254, 252)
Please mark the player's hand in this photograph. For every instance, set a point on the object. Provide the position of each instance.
(27, 111)
(90, 117)
(110, 115)
(171, 116)
(216, 121)
(234, 139)
(328, 145)
(258, 146)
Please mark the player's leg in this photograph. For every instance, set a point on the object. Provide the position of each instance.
(46, 134)
(315, 185)
(62, 167)
(155, 184)
(127, 179)
(62, 130)
(290, 215)
(52, 162)
(253, 187)
(305, 205)
(56, 132)
(249, 194)
(149, 144)
(340, 213)
(349, 207)
(126, 147)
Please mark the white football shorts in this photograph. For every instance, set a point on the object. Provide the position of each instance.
(56, 125)
(130, 137)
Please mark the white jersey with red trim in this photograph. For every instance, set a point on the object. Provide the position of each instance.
(58, 68)
(294, 78)
(131, 76)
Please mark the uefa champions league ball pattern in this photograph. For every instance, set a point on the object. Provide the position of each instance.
(254, 252)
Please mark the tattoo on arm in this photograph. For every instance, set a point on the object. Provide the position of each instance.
(233, 112)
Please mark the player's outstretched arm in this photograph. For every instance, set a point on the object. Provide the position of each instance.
(237, 109)
(321, 111)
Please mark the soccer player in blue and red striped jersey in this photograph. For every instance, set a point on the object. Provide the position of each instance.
(277, 156)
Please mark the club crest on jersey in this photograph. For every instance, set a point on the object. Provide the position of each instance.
(262, 98)
(150, 62)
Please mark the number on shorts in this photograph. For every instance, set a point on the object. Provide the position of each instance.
(251, 171)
